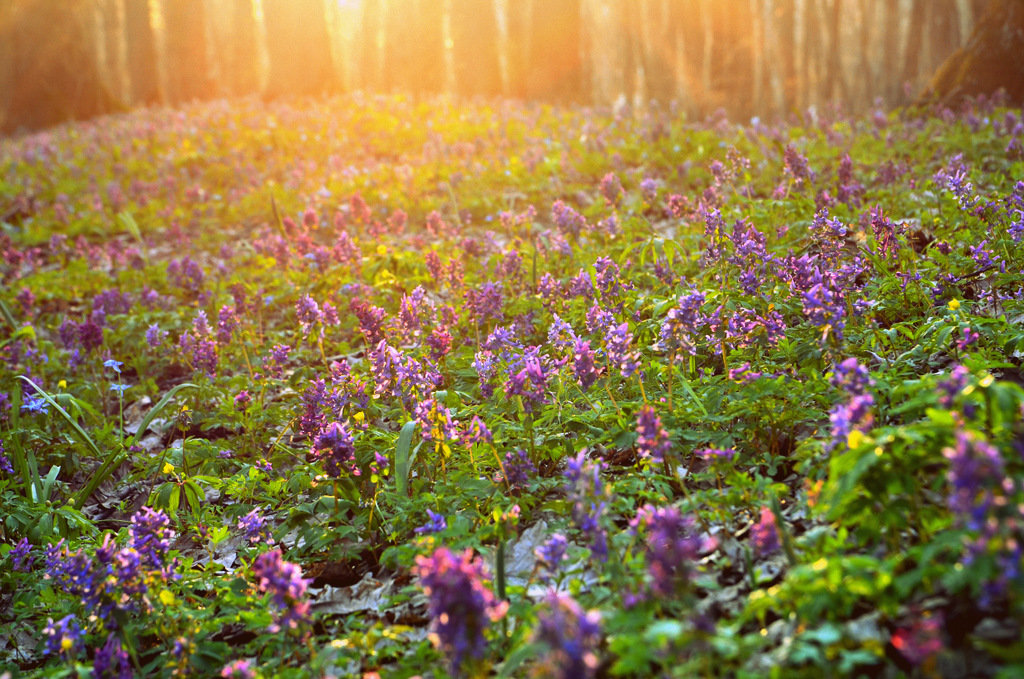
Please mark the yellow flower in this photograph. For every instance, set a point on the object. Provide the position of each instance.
(954, 304)
(359, 417)
(382, 249)
(168, 468)
(855, 438)
(63, 384)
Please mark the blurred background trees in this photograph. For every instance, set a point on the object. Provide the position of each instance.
(62, 59)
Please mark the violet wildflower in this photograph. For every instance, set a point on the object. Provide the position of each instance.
(589, 497)
(461, 606)
(242, 400)
(598, 319)
(63, 637)
(238, 669)
(681, 325)
(851, 377)
(484, 302)
(570, 635)
(274, 364)
(855, 415)
(765, 533)
(21, 556)
(553, 552)
(584, 364)
(151, 535)
(672, 547)
(518, 467)
(155, 336)
(560, 333)
(796, 166)
(440, 343)
(968, 337)
(334, 444)
(975, 470)
(437, 523)
(568, 221)
(527, 378)
(227, 322)
(652, 440)
(649, 189)
(828, 235)
(953, 385)
(308, 312)
(90, 335)
(254, 528)
(112, 661)
(611, 189)
(617, 343)
(825, 309)
(283, 580)
(5, 462)
(476, 432)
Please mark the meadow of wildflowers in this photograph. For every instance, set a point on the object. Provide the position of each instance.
(375, 387)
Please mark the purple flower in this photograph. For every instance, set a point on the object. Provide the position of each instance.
(851, 377)
(254, 527)
(527, 378)
(308, 312)
(436, 524)
(967, 338)
(238, 669)
(518, 467)
(570, 636)
(611, 189)
(589, 497)
(283, 580)
(227, 321)
(155, 336)
(765, 533)
(568, 221)
(853, 415)
(21, 556)
(112, 661)
(921, 640)
(681, 324)
(90, 335)
(242, 400)
(825, 308)
(672, 547)
(277, 360)
(553, 552)
(796, 166)
(476, 432)
(63, 637)
(828, 235)
(334, 444)
(461, 606)
(617, 342)
(151, 535)
(652, 440)
(584, 364)
(953, 385)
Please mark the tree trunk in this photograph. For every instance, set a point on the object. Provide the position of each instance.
(240, 56)
(991, 59)
(414, 53)
(143, 76)
(299, 48)
(555, 64)
(52, 72)
(188, 73)
(475, 48)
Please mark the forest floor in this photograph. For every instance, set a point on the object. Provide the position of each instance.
(366, 386)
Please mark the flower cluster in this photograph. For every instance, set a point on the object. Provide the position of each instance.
(589, 497)
(461, 606)
(570, 636)
(672, 547)
(283, 580)
(856, 413)
(652, 442)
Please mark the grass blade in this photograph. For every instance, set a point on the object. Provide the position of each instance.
(404, 457)
(155, 410)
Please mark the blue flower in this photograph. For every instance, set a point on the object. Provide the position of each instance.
(119, 388)
(113, 365)
(36, 404)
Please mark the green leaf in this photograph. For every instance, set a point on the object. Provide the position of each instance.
(404, 457)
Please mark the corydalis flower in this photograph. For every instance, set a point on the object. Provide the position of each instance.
(672, 547)
(112, 661)
(63, 637)
(254, 527)
(570, 635)
(584, 364)
(589, 497)
(552, 553)
(334, 444)
(151, 535)
(283, 580)
(680, 326)
(765, 533)
(436, 524)
(461, 606)
(652, 440)
(519, 469)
